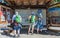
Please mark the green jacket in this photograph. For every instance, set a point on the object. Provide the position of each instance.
(32, 19)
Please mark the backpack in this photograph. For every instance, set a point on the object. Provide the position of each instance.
(17, 18)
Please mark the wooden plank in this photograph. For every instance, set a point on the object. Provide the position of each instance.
(48, 1)
(26, 2)
(33, 2)
(41, 2)
(55, 29)
(5, 7)
(56, 25)
(54, 5)
(18, 2)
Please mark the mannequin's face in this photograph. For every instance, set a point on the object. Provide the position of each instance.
(39, 18)
(16, 13)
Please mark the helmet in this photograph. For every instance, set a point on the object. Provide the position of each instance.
(39, 11)
(33, 13)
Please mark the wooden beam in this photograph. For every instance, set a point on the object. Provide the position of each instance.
(41, 2)
(8, 2)
(54, 5)
(30, 6)
(33, 2)
(18, 2)
(26, 2)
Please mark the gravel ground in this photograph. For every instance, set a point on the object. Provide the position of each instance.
(32, 36)
(44, 34)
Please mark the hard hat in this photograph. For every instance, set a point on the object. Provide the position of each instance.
(39, 11)
(33, 13)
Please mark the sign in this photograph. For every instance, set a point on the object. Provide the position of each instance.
(53, 9)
